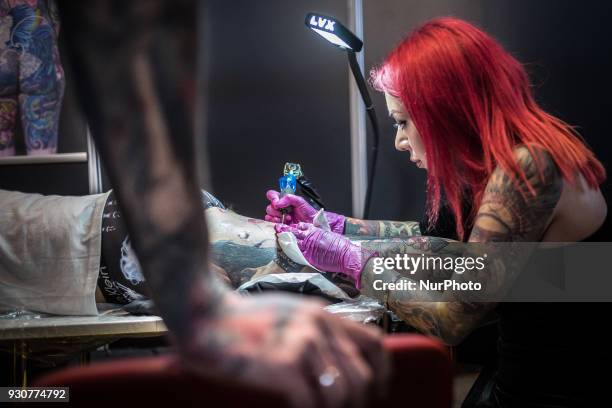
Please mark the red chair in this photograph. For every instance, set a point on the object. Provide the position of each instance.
(421, 377)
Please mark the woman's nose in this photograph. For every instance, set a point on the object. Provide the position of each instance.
(401, 142)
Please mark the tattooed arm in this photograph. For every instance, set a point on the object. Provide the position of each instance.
(381, 229)
(509, 212)
(135, 68)
(299, 210)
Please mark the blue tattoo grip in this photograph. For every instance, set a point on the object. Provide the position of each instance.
(287, 185)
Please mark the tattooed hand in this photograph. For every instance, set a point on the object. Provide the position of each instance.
(286, 344)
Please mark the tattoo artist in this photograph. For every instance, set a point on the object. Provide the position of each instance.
(464, 112)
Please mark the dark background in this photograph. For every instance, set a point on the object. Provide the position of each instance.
(565, 46)
(275, 92)
(65, 178)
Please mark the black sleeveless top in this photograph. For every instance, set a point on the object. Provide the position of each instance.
(550, 355)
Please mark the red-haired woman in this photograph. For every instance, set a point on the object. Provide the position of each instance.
(504, 171)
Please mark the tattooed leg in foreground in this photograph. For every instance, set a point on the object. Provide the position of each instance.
(135, 67)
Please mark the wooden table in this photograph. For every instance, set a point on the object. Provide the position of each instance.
(51, 336)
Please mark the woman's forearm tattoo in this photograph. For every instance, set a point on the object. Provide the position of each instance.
(512, 210)
(381, 229)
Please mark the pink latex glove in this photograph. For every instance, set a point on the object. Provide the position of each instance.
(298, 210)
(328, 251)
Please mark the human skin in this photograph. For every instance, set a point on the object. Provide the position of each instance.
(407, 139)
(244, 248)
(136, 88)
(508, 212)
(505, 215)
(540, 207)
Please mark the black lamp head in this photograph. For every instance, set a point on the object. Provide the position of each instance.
(333, 31)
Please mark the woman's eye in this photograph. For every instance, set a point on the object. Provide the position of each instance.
(400, 125)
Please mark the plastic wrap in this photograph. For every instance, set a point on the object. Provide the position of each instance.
(305, 283)
(362, 309)
(20, 314)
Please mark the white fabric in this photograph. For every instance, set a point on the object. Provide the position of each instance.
(50, 252)
(288, 242)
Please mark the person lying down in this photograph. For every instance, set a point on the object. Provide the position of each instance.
(242, 249)
(62, 254)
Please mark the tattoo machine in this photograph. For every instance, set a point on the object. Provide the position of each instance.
(306, 188)
(287, 184)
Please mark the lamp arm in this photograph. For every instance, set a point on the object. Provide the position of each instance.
(365, 95)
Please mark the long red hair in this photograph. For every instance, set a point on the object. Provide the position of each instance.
(472, 103)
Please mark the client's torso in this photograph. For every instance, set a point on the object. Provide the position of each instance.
(120, 279)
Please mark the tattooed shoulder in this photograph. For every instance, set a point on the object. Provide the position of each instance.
(515, 207)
